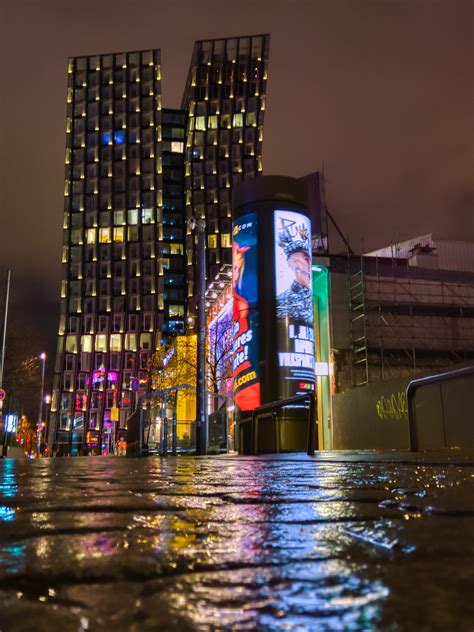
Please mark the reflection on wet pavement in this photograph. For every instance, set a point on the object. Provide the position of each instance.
(339, 542)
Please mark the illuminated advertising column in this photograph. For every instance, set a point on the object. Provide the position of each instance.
(273, 320)
(245, 318)
(294, 303)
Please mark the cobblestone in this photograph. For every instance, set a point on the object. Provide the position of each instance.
(344, 541)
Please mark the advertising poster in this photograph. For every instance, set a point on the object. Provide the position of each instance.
(245, 313)
(294, 303)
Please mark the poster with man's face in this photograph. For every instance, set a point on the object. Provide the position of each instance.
(294, 302)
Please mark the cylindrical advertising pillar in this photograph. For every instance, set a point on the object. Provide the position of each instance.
(273, 316)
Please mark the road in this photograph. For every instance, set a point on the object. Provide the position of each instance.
(344, 541)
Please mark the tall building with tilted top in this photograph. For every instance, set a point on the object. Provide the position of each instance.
(135, 172)
(225, 100)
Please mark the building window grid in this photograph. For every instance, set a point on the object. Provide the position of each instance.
(248, 149)
(103, 153)
(246, 159)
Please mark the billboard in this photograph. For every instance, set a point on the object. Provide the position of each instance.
(294, 303)
(11, 423)
(245, 326)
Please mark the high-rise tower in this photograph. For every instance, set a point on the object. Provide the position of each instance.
(134, 173)
(225, 99)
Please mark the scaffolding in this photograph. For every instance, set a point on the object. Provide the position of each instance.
(358, 331)
(405, 320)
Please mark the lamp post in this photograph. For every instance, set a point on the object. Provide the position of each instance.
(42, 357)
(47, 401)
(3, 447)
(199, 225)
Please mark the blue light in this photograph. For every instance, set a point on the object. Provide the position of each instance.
(106, 138)
(11, 422)
(119, 137)
(7, 514)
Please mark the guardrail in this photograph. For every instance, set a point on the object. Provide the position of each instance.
(413, 387)
(269, 410)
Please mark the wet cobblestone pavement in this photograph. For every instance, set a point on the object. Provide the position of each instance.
(344, 541)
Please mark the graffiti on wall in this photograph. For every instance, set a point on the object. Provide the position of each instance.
(393, 407)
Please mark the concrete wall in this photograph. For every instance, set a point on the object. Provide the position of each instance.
(376, 416)
(444, 415)
(372, 416)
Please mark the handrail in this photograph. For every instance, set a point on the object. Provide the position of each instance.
(281, 403)
(412, 388)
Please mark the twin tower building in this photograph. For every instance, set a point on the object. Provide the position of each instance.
(135, 172)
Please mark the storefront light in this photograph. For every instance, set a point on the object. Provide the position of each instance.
(321, 368)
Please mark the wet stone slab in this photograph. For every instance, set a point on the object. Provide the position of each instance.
(344, 541)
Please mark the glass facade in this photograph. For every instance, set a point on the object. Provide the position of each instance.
(134, 173)
(174, 224)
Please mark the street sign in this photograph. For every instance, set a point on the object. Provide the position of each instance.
(2, 394)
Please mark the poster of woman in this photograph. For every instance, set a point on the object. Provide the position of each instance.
(245, 314)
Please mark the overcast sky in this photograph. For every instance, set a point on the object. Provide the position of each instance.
(381, 92)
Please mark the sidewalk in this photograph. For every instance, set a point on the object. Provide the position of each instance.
(341, 541)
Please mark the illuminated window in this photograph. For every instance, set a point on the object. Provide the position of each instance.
(119, 234)
(177, 147)
(106, 138)
(90, 236)
(238, 120)
(201, 123)
(226, 241)
(147, 216)
(119, 137)
(176, 249)
(115, 342)
(176, 310)
(119, 218)
(101, 342)
(212, 241)
(130, 342)
(71, 344)
(86, 344)
(145, 341)
(133, 216)
(104, 235)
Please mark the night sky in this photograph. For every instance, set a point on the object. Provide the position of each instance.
(381, 92)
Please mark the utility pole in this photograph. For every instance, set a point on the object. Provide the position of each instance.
(199, 225)
(3, 447)
(42, 357)
(5, 318)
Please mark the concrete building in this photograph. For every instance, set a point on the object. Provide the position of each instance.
(392, 319)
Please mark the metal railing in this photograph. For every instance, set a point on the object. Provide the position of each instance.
(269, 411)
(412, 389)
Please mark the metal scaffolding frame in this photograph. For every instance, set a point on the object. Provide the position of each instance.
(404, 319)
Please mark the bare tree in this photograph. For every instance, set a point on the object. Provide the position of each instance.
(219, 355)
(176, 363)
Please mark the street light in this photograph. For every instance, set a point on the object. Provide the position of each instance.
(47, 401)
(42, 357)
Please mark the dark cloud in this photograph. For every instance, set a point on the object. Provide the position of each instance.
(379, 91)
